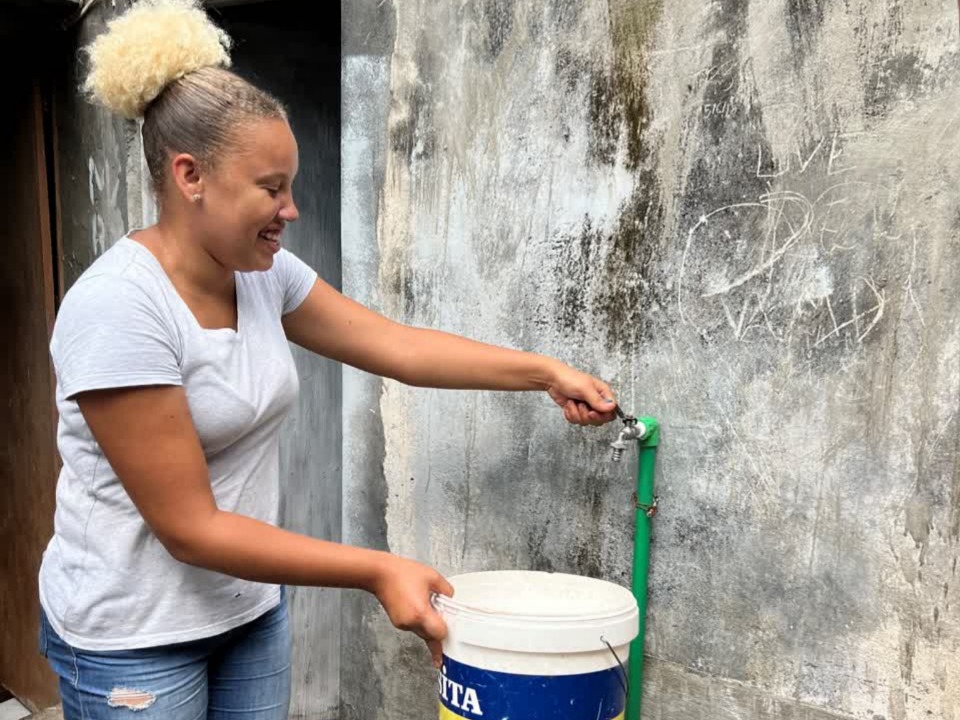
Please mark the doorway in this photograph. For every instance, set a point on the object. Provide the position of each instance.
(28, 280)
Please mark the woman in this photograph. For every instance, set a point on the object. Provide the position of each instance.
(162, 588)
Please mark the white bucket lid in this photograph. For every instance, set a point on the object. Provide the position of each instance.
(532, 611)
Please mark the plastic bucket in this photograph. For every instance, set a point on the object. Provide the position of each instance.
(535, 646)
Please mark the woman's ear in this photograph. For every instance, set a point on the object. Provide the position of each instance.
(186, 175)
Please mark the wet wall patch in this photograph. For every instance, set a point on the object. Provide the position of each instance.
(413, 136)
(632, 291)
(497, 22)
(804, 19)
(618, 101)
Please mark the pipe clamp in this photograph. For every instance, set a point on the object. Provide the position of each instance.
(651, 509)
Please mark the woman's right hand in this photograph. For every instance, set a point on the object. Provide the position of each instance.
(404, 589)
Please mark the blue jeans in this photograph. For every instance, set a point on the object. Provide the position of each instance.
(242, 674)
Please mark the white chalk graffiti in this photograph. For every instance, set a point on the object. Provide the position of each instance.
(794, 256)
(804, 157)
(104, 190)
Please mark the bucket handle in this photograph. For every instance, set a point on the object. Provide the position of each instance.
(625, 679)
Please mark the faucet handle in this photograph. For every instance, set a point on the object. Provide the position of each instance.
(627, 419)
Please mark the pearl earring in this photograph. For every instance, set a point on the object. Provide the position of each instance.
(196, 197)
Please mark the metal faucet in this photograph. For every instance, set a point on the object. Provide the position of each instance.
(633, 429)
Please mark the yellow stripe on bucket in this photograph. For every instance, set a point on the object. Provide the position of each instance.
(446, 714)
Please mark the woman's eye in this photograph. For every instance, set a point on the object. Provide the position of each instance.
(273, 191)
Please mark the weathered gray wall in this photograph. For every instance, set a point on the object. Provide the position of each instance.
(97, 159)
(366, 41)
(745, 216)
(103, 194)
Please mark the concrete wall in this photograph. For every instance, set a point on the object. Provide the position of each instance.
(745, 217)
(103, 193)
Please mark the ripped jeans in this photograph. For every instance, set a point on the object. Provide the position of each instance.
(242, 674)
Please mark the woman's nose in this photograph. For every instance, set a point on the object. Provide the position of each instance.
(289, 212)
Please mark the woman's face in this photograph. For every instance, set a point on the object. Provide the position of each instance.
(247, 196)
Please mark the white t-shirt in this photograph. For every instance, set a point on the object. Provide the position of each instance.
(106, 581)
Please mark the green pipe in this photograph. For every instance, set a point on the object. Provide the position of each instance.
(646, 509)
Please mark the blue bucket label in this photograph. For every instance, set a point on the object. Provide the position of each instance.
(470, 693)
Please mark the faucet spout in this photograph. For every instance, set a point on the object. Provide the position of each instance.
(632, 430)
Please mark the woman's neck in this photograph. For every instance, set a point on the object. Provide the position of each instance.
(190, 267)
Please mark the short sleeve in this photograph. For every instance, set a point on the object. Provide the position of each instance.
(296, 279)
(109, 333)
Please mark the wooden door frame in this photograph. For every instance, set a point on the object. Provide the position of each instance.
(30, 679)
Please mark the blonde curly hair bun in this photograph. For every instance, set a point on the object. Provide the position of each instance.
(149, 46)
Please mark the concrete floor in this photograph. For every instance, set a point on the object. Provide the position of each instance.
(12, 710)
(54, 713)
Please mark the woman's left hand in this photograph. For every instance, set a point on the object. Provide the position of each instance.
(585, 400)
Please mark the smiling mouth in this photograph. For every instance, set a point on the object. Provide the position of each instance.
(272, 236)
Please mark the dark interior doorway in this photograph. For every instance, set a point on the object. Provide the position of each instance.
(28, 296)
